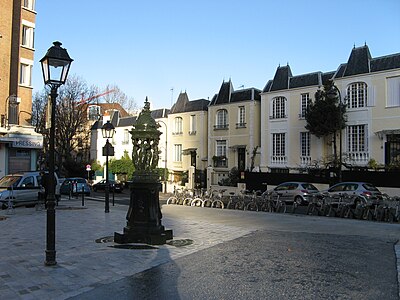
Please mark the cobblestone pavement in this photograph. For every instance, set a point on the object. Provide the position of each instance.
(84, 265)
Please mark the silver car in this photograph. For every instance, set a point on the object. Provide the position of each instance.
(299, 192)
(22, 189)
(365, 190)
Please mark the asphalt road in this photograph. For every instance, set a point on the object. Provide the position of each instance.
(286, 257)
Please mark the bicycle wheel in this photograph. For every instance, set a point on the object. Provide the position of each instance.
(231, 204)
(197, 202)
(310, 209)
(240, 205)
(217, 204)
(172, 200)
(252, 206)
(207, 203)
(281, 207)
(187, 201)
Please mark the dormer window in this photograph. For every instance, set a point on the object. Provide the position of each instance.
(357, 95)
(94, 112)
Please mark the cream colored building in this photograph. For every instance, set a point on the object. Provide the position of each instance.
(187, 137)
(233, 131)
(371, 89)
(19, 142)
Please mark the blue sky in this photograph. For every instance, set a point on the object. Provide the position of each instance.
(149, 47)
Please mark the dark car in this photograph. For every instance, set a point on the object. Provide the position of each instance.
(115, 186)
(75, 185)
(299, 192)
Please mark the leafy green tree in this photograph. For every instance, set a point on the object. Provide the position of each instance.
(325, 116)
(123, 166)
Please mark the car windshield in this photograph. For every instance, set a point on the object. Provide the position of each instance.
(370, 187)
(80, 180)
(9, 180)
(309, 186)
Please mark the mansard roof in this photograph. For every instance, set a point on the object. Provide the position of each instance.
(292, 82)
(227, 94)
(361, 62)
(184, 105)
(281, 78)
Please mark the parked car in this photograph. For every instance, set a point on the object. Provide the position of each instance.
(24, 188)
(365, 190)
(75, 185)
(115, 186)
(299, 192)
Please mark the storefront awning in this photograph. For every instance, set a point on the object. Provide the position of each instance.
(188, 151)
(381, 133)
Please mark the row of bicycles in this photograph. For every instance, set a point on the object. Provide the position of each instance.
(321, 204)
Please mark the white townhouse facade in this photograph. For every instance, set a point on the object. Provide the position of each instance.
(370, 88)
(233, 131)
(187, 137)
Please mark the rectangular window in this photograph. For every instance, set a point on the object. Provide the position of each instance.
(278, 144)
(192, 124)
(126, 137)
(178, 152)
(278, 108)
(356, 138)
(305, 102)
(241, 117)
(393, 91)
(178, 126)
(357, 94)
(27, 35)
(25, 74)
(221, 148)
(305, 143)
(30, 4)
(94, 112)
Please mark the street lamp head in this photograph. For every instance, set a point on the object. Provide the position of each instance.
(55, 65)
(107, 130)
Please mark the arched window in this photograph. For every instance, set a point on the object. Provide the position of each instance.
(221, 121)
(278, 108)
(357, 94)
(178, 125)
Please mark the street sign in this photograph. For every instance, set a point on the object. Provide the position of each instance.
(88, 168)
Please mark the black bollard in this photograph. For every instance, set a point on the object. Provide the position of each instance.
(83, 195)
(113, 196)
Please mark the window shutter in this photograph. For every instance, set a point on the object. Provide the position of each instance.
(371, 95)
(393, 91)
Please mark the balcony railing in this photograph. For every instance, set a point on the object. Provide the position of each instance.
(220, 161)
(240, 125)
(278, 159)
(305, 160)
(275, 117)
(177, 133)
(192, 132)
(221, 127)
(358, 158)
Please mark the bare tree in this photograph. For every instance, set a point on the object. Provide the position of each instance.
(118, 96)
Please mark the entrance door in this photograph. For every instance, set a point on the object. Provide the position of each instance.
(241, 158)
(392, 149)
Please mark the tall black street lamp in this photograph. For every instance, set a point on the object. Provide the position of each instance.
(165, 161)
(55, 67)
(334, 93)
(107, 131)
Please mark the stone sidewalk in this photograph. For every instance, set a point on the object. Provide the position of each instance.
(83, 263)
(87, 259)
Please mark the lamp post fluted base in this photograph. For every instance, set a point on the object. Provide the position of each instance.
(144, 217)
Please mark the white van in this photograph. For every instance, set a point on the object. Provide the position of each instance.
(23, 189)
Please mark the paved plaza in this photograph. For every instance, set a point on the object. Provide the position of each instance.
(89, 265)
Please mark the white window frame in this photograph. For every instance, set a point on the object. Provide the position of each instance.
(357, 95)
(28, 34)
(29, 4)
(241, 116)
(25, 72)
(126, 137)
(357, 138)
(220, 148)
(192, 124)
(178, 121)
(393, 91)
(305, 144)
(93, 110)
(304, 103)
(278, 107)
(178, 152)
(221, 119)
(278, 144)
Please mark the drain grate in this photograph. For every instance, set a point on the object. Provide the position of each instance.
(180, 243)
(106, 239)
(133, 247)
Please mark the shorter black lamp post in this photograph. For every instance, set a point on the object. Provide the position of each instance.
(55, 67)
(107, 131)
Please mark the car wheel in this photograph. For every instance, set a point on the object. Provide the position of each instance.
(298, 200)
